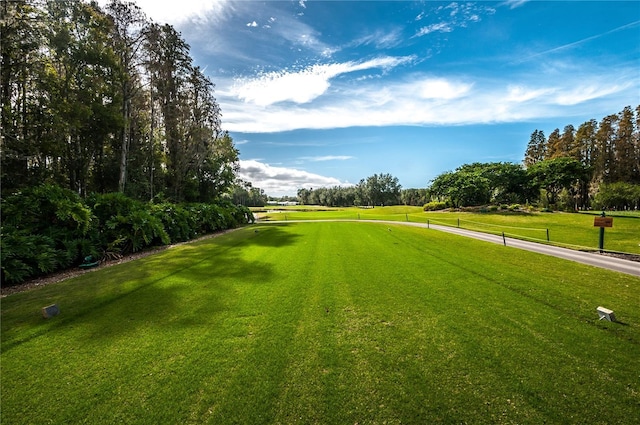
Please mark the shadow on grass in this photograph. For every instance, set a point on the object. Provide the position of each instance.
(182, 287)
(272, 235)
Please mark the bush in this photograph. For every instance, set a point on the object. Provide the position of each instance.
(179, 221)
(47, 228)
(24, 256)
(435, 206)
(44, 229)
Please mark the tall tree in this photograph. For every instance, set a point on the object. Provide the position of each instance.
(604, 163)
(554, 145)
(23, 117)
(536, 149)
(127, 36)
(624, 152)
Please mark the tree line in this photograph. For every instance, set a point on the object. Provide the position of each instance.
(375, 190)
(105, 100)
(594, 166)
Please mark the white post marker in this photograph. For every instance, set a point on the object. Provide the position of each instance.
(606, 314)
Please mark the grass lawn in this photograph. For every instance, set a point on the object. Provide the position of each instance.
(565, 229)
(327, 323)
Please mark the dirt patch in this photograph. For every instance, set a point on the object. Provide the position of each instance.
(69, 273)
(630, 257)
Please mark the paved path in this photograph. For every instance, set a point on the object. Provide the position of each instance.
(592, 259)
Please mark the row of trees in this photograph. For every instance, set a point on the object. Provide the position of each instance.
(507, 183)
(106, 100)
(378, 189)
(597, 165)
(609, 150)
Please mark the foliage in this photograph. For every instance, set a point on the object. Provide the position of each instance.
(378, 189)
(414, 197)
(434, 206)
(618, 196)
(103, 100)
(479, 184)
(44, 228)
(47, 228)
(555, 175)
(243, 193)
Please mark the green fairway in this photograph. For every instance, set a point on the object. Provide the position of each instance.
(327, 322)
(563, 229)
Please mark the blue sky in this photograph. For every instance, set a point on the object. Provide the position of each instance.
(324, 93)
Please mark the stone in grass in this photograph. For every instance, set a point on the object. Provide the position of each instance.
(50, 311)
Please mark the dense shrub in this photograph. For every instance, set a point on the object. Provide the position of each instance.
(434, 206)
(44, 229)
(179, 222)
(47, 228)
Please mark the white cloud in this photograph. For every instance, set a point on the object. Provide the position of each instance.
(305, 85)
(439, 27)
(176, 12)
(252, 24)
(440, 88)
(520, 94)
(279, 181)
(433, 101)
(587, 92)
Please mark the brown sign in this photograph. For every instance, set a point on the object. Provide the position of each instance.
(603, 222)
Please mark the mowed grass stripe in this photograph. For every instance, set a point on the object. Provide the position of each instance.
(327, 323)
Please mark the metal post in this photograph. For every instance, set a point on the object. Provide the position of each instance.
(548, 235)
(504, 240)
(428, 224)
(458, 223)
(601, 244)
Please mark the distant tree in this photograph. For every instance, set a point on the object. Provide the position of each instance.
(555, 175)
(461, 188)
(619, 196)
(414, 197)
(381, 189)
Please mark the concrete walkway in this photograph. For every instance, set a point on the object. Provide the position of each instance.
(592, 259)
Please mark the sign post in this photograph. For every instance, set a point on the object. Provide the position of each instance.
(602, 221)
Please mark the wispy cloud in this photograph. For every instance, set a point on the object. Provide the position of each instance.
(381, 39)
(452, 16)
(512, 4)
(305, 85)
(326, 158)
(439, 27)
(434, 101)
(279, 181)
(578, 43)
(176, 12)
